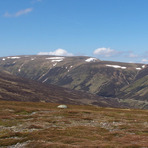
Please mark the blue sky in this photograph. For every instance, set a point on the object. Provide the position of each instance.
(107, 29)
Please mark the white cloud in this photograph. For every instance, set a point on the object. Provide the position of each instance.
(19, 13)
(58, 52)
(144, 60)
(131, 55)
(106, 52)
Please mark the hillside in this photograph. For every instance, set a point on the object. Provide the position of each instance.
(13, 88)
(136, 93)
(43, 125)
(103, 78)
(110, 80)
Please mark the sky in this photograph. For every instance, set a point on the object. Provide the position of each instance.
(113, 30)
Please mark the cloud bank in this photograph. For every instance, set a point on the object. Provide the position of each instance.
(105, 52)
(58, 52)
(19, 13)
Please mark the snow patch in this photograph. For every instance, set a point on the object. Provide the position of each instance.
(54, 64)
(20, 67)
(143, 66)
(3, 59)
(13, 57)
(91, 60)
(42, 76)
(45, 80)
(138, 68)
(116, 66)
(56, 59)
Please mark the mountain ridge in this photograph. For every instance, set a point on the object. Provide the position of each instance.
(103, 78)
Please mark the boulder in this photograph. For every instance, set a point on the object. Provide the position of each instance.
(62, 106)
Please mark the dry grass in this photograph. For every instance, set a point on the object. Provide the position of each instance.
(44, 125)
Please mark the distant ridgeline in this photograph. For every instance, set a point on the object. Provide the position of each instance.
(125, 82)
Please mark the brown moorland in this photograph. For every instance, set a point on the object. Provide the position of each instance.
(37, 124)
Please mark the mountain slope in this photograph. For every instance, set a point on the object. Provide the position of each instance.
(18, 89)
(136, 93)
(103, 78)
(111, 80)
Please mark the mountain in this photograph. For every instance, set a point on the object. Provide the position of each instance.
(13, 88)
(102, 78)
(136, 93)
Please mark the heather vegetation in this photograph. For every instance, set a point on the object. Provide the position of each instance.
(26, 124)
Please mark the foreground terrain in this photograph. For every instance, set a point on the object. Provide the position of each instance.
(36, 125)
